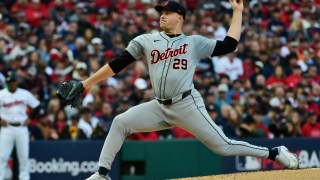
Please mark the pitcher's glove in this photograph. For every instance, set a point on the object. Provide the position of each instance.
(70, 93)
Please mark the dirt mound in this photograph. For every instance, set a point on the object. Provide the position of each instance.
(298, 174)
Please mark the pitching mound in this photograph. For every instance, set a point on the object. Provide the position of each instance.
(260, 175)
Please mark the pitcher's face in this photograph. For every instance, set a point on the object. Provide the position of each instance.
(169, 20)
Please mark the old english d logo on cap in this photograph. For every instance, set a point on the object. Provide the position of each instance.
(172, 6)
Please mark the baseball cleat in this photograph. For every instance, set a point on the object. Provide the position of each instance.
(286, 158)
(97, 176)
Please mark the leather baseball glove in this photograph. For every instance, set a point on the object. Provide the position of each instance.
(70, 93)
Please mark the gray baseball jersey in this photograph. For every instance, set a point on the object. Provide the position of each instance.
(171, 61)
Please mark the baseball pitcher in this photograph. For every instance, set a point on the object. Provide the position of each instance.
(172, 58)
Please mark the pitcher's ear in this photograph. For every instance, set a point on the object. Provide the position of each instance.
(181, 17)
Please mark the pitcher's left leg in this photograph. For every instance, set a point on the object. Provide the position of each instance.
(197, 121)
(200, 124)
(203, 128)
(193, 117)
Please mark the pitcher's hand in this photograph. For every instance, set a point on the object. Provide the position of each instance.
(237, 5)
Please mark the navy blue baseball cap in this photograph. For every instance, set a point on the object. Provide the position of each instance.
(11, 76)
(172, 6)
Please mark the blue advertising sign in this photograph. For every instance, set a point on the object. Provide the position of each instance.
(308, 151)
(66, 160)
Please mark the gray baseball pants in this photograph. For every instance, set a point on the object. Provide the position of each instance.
(189, 113)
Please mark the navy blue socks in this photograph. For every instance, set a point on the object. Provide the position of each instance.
(103, 171)
(273, 153)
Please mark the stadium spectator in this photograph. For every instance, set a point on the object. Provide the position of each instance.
(277, 78)
(293, 79)
(221, 98)
(43, 129)
(53, 108)
(136, 96)
(313, 72)
(209, 97)
(263, 101)
(301, 106)
(60, 121)
(80, 72)
(230, 65)
(290, 61)
(258, 69)
(124, 105)
(235, 91)
(87, 122)
(311, 128)
(253, 126)
(21, 49)
(294, 124)
(144, 136)
(98, 132)
(72, 131)
(259, 81)
(228, 121)
(315, 94)
(36, 11)
(106, 117)
(212, 112)
(306, 59)
(147, 95)
(273, 61)
(90, 97)
(279, 100)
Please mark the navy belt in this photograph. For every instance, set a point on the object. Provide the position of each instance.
(16, 124)
(174, 99)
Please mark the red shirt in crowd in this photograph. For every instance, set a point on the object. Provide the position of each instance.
(144, 136)
(181, 133)
(103, 3)
(18, 6)
(121, 6)
(260, 125)
(36, 12)
(293, 80)
(315, 79)
(248, 68)
(309, 130)
(275, 81)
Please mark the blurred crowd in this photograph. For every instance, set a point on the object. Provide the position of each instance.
(269, 87)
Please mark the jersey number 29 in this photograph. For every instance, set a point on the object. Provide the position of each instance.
(180, 64)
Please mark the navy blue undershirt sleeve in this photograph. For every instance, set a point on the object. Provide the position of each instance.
(226, 46)
(121, 62)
